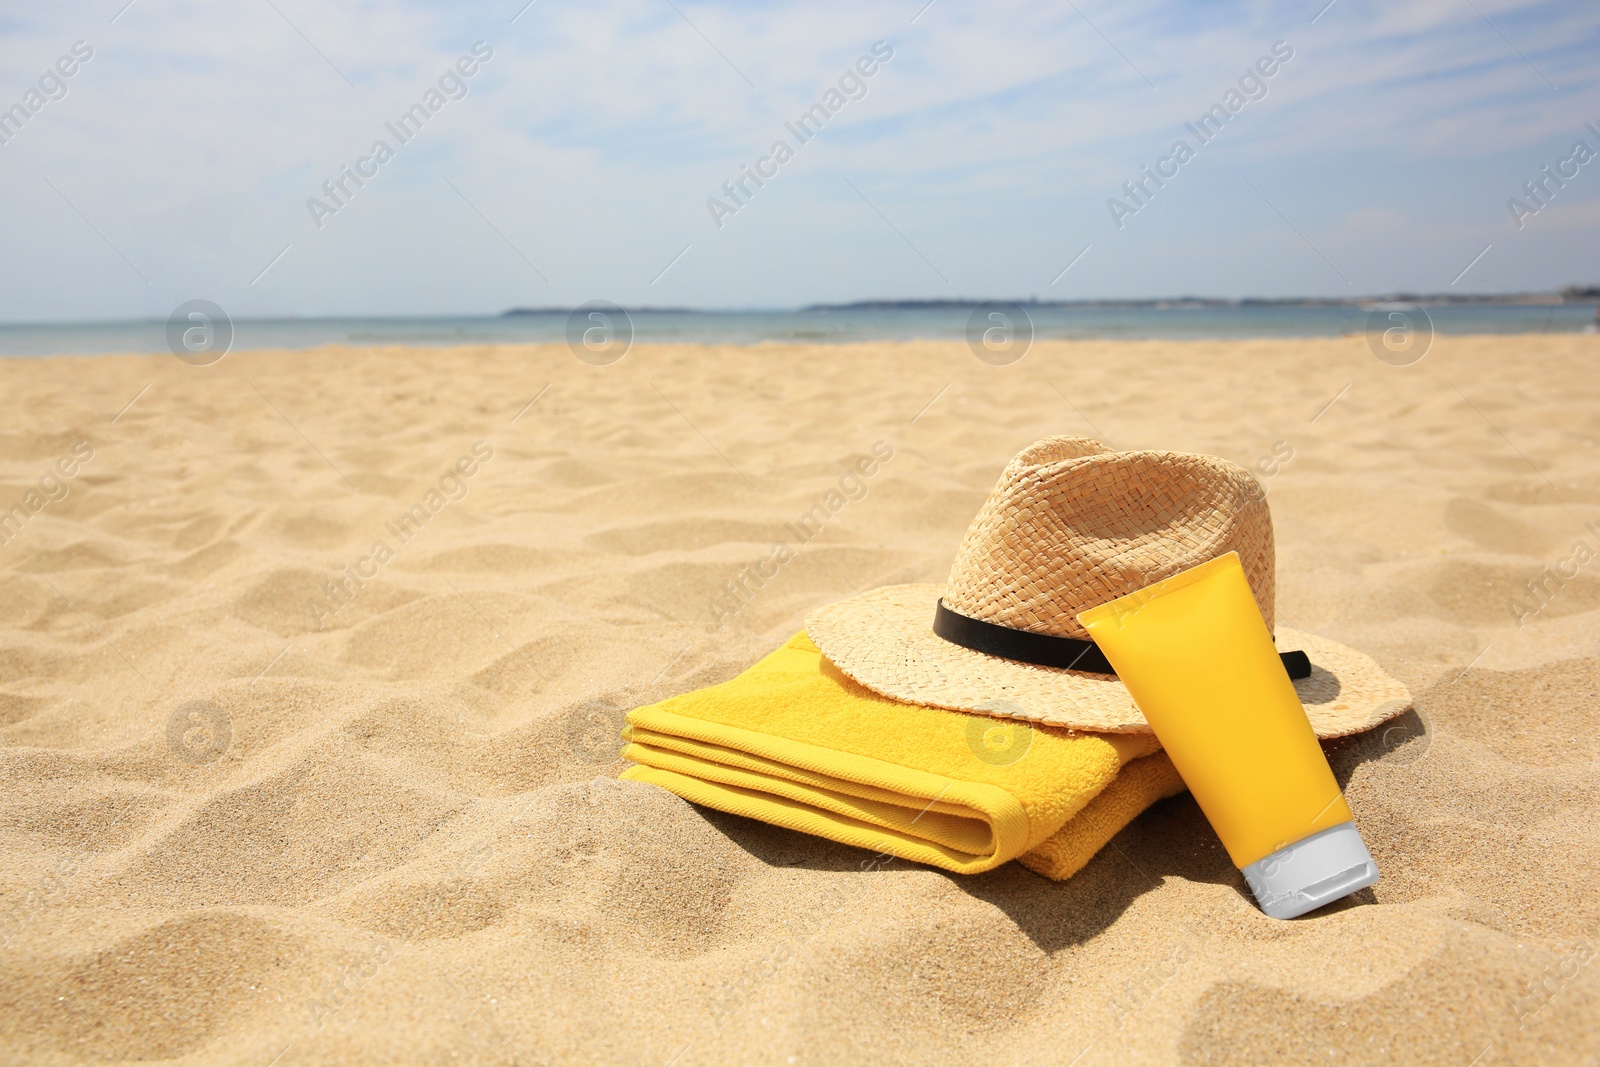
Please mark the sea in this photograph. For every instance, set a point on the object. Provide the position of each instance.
(814, 325)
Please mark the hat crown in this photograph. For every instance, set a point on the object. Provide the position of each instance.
(1072, 524)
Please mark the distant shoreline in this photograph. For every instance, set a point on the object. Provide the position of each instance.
(858, 323)
(1569, 295)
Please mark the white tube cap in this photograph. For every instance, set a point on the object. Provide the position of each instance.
(1313, 871)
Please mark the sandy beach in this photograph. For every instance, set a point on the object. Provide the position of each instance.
(312, 665)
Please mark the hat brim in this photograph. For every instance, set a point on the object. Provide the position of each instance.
(884, 640)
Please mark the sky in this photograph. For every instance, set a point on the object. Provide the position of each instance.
(585, 155)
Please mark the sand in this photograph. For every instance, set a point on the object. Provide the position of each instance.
(237, 828)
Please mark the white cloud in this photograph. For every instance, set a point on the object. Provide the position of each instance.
(591, 141)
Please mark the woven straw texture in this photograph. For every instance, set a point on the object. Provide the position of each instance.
(1070, 525)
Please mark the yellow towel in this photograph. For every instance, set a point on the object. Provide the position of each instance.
(792, 741)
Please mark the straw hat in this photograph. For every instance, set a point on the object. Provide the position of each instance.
(1072, 524)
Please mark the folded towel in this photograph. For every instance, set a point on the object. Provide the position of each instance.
(1137, 786)
(794, 742)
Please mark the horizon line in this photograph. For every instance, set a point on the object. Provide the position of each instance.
(1571, 294)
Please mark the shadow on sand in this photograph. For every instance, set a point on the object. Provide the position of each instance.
(1171, 839)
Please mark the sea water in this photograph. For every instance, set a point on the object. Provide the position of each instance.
(816, 325)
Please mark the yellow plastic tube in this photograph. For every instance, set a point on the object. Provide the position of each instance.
(1198, 659)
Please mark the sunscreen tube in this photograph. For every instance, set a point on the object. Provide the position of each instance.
(1198, 659)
